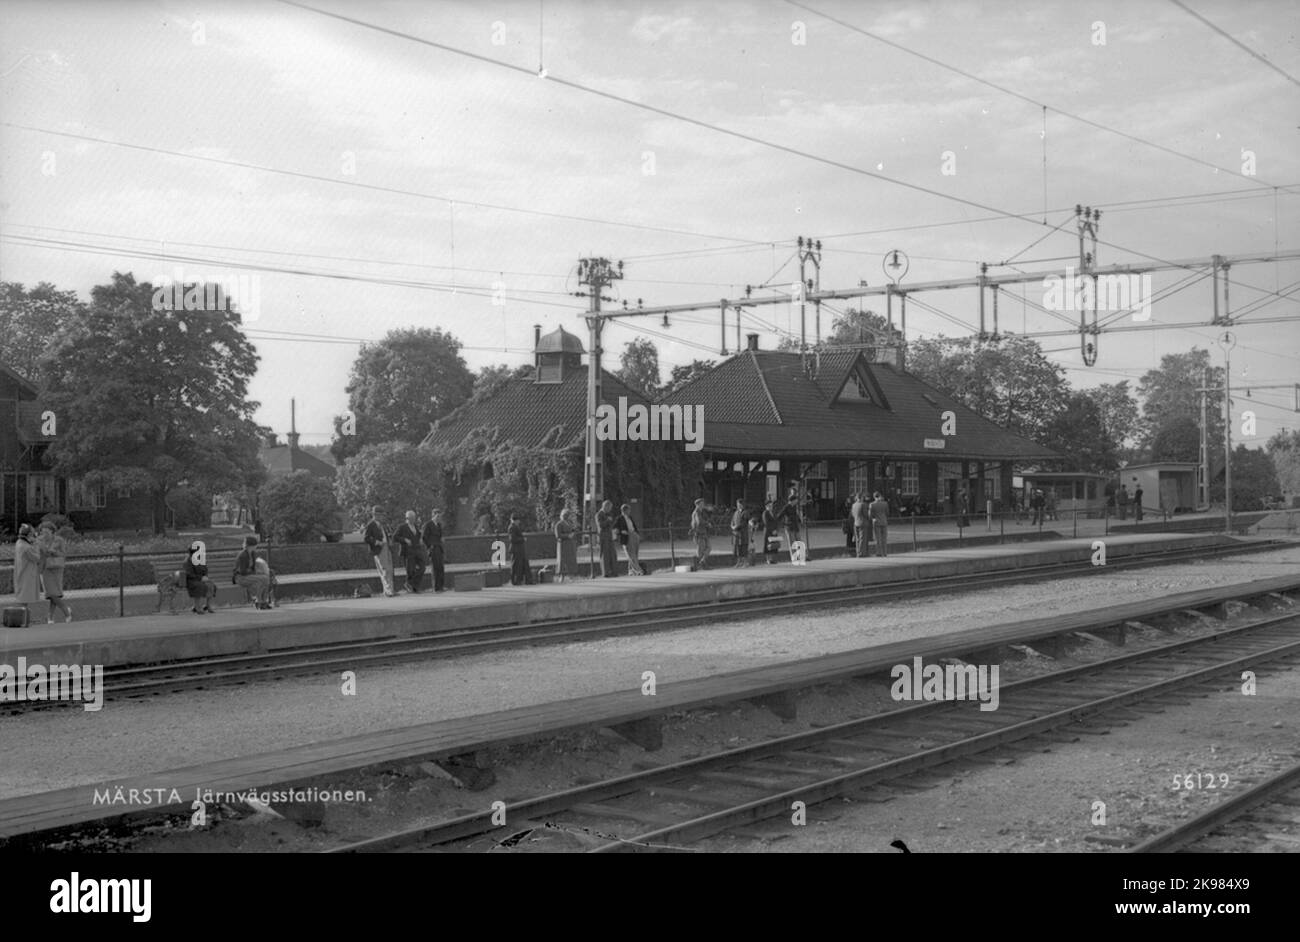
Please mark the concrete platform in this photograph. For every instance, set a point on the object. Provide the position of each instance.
(160, 638)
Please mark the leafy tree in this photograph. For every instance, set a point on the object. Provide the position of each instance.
(29, 321)
(1079, 433)
(1008, 380)
(190, 507)
(852, 327)
(152, 398)
(1178, 438)
(400, 386)
(298, 507)
(490, 379)
(1284, 449)
(1171, 405)
(1253, 479)
(1119, 414)
(396, 476)
(639, 369)
(681, 375)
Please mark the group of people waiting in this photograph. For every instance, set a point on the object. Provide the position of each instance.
(252, 572)
(418, 549)
(867, 519)
(40, 556)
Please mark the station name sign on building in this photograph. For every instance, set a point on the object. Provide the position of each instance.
(934, 443)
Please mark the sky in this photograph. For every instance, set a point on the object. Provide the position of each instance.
(447, 164)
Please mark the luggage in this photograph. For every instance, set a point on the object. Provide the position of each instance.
(15, 617)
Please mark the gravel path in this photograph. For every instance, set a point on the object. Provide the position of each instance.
(53, 748)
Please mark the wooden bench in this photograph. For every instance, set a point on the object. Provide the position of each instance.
(170, 578)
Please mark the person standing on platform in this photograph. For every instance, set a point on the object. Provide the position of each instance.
(411, 550)
(566, 546)
(790, 520)
(1122, 499)
(1137, 503)
(963, 507)
(54, 555)
(700, 534)
(861, 525)
(1036, 504)
(376, 538)
(740, 535)
(431, 539)
(629, 537)
(27, 571)
(770, 524)
(849, 525)
(605, 529)
(520, 572)
(879, 515)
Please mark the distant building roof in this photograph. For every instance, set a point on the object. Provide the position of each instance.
(1168, 465)
(23, 382)
(762, 403)
(282, 459)
(529, 414)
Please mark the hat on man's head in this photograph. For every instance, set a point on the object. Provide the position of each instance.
(25, 530)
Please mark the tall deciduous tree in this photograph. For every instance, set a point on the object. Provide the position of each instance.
(1009, 381)
(1171, 407)
(851, 327)
(152, 398)
(29, 322)
(681, 375)
(639, 367)
(396, 476)
(1284, 448)
(400, 386)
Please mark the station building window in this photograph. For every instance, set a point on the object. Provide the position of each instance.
(992, 484)
(859, 478)
(911, 477)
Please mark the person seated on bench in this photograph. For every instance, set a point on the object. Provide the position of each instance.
(197, 582)
(246, 574)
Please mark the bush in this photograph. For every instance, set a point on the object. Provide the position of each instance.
(298, 507)
(62, 525)
(394, 476)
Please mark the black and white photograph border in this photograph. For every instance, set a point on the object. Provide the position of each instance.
(703, 428)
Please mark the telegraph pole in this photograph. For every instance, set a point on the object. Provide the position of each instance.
(809, 252)
(596, 273)
(1227, 341)
(1204, 496)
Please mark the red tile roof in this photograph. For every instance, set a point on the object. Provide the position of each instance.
(550, 415)
(762, 403)
(281, 459)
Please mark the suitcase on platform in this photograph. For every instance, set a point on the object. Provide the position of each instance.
(15, 617)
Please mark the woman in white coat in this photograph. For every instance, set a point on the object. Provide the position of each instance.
(27, 571)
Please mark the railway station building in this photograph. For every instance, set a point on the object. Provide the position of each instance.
(847, 420)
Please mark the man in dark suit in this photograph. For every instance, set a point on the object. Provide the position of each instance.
(605, 526)
(1137, 502)
(376, 538)
(431, 537)
(520, 571)
(629, 535)
(879, 515)
(411, 550)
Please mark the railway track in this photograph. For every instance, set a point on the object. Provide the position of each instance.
(668, 807)
(1261, 813)
(200, 673)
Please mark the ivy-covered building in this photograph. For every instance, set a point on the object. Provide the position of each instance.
(518, 445)
(844, 421)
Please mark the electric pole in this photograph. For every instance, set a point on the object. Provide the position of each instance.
(1228, 341)
(1088, 222)
(596, 273)
(1204, 496)
(809, 252)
